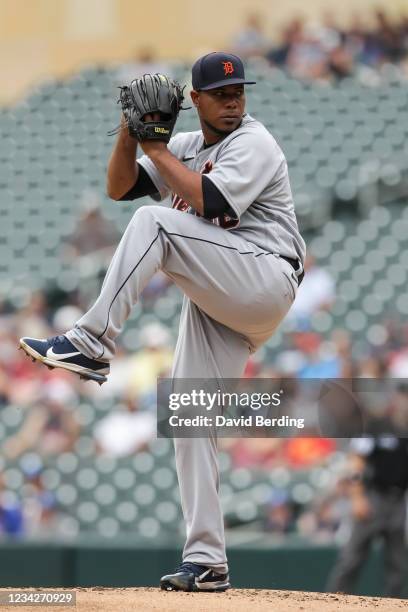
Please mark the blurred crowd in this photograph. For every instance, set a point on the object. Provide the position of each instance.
(325, 50)
(321, 50)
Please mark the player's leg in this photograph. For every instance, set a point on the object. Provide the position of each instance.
(395, 549)
(231, 280)
(205, 349)
(217, 269)
(352, 557)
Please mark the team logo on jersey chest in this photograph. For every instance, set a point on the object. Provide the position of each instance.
(207, 167)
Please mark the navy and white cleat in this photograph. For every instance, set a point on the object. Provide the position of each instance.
(59, 352)
(193, 577)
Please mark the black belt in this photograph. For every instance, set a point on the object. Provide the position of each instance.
(295, 265)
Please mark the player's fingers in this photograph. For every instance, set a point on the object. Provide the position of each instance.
(151, 117)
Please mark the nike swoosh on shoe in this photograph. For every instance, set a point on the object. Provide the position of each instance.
(51, 355)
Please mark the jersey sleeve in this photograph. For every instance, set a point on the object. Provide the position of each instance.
(245, 167)
(143, 186)
(147, 164)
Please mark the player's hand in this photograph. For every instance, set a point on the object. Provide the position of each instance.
(361, 508)
(150, 147)
(152, 96)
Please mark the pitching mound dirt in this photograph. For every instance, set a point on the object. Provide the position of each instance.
(236, 600)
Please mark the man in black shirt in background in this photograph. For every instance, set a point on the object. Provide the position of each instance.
(378, 501)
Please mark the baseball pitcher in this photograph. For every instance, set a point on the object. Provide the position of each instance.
(230, 242)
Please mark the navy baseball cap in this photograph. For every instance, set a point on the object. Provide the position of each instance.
(218, 69)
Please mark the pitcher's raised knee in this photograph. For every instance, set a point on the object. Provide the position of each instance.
(158, 215)
(166, 218)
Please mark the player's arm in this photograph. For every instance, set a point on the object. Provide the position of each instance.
(180, 179)
(122, 172)
(193, 187)
(126, 179)
(360, 503)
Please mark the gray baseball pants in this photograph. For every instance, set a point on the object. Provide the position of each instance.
(236, 294)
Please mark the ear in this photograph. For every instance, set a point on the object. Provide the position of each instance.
(195, 97)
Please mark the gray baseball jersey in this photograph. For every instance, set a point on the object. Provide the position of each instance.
(249, 168)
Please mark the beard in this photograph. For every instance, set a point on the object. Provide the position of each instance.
(218, 131)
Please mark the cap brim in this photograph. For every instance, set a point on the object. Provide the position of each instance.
(227, 82)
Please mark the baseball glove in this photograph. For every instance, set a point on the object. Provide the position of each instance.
(152, 93)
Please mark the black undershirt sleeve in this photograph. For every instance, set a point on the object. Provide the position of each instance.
(144, 186)
(215, 205)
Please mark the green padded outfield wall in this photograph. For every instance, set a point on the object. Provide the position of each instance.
(111, 565)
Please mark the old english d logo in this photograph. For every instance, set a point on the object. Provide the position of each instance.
(228, 68)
